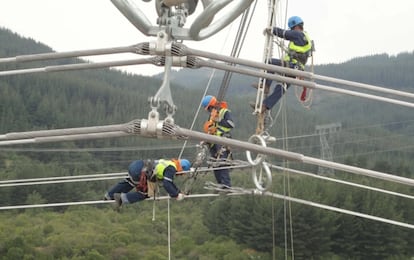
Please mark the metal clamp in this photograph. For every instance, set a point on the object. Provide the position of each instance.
(153, 117)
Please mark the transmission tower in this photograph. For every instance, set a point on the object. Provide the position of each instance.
(324, 132)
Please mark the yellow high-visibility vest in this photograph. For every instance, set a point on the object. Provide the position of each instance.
(295, 51)
(222, 129)
(160, 167)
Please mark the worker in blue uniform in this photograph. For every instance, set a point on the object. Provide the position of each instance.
(299, 49)
(220, 123)
(143, 174)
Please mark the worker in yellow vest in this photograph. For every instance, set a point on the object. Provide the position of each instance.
(142, 176)
(299, 49)
(220, 123)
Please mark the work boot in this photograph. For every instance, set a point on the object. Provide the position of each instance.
(253, 105)
(118, 201)
(106, 196)
(224, 189)
(266, 87)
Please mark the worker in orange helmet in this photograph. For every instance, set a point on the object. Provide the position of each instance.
(220, 123)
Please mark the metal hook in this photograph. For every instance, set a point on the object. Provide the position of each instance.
(164, 92)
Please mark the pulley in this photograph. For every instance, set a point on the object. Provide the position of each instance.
(262, 176)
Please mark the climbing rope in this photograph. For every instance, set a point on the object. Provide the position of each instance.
(306, 96)
(286, 185)
(237, 46)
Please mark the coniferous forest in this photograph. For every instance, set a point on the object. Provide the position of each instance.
(373, 135)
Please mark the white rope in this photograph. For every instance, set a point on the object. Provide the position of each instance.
(307, 103)
(286, 180)
(198, 110)
(282, 107)
(169, 228)
(286, 145)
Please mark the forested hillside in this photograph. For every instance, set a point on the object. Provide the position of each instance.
(374, 135)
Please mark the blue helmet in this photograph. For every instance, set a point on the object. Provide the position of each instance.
(293, 21)
(134, 170)
(185, 164)
(208, 101)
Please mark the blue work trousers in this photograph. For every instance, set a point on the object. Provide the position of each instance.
(278, 91)
(125, 187)
(222, 175)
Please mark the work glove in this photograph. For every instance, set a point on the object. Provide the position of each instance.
(214, 115)
(180, 196)
(209, 127)
(268, 30)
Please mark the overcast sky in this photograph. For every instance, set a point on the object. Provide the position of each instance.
(341, 29)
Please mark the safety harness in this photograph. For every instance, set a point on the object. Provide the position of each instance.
(299, 54)
(142, 185)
